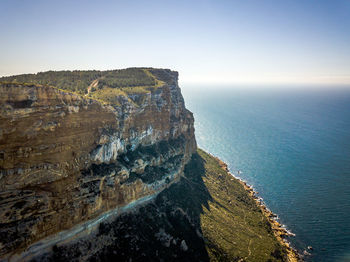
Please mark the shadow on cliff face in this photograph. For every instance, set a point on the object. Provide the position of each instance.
(167, 229)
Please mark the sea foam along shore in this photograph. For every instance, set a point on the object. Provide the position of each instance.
(279, 230)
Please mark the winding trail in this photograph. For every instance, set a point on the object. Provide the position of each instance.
(249, 251)
(93, 84)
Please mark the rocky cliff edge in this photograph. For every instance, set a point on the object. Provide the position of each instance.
(68, 158)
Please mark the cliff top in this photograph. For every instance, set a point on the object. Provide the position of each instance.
(100, 85)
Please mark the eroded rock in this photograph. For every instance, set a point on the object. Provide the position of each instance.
(65, 159)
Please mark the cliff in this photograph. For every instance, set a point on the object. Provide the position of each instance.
(66, 158)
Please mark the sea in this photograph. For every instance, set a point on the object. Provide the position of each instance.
(293, 146)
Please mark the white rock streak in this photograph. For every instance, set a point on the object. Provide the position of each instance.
(76, 231)
(109, 151)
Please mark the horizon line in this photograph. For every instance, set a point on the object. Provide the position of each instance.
(246, 81)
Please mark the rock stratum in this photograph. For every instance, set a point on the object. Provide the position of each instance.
(67, 158)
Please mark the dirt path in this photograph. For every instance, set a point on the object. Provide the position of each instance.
(93, 84)
(249, 251)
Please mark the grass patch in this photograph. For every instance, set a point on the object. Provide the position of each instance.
(108, 95)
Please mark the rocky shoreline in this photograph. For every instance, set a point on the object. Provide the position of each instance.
(279, 231)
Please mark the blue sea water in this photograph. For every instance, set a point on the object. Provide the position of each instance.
(294, 148)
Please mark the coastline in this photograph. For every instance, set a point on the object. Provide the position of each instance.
(278, 230)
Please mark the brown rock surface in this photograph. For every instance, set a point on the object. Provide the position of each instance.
(65, 159)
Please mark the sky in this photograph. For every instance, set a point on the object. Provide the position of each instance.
(253, 42)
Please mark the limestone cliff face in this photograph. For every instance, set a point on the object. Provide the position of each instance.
(66, 159)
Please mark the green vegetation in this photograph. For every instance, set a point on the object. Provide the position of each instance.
(109, 95)
(105, 86)
(75, 81)
(129, 77)
(232, 223)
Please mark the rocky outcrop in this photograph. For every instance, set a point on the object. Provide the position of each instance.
(66, 159)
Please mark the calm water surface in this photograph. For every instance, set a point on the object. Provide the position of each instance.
(294, 148)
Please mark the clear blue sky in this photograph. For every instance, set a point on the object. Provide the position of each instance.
(242, 41)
